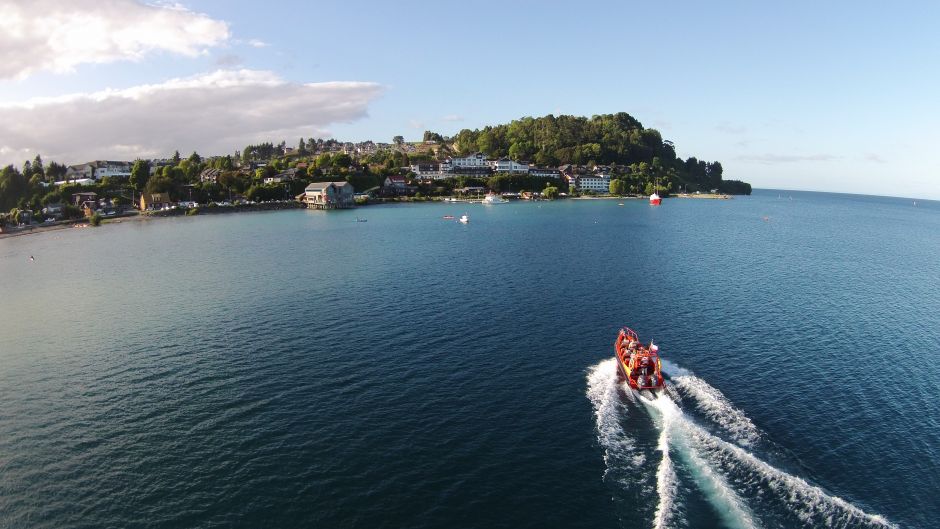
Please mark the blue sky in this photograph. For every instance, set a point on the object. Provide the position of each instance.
(819, 96)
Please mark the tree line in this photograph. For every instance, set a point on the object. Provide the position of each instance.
(638, 154)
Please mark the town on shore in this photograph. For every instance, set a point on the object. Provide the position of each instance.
(330, 174)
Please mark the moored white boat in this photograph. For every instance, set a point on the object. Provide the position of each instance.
(464, 219)
(493, 198)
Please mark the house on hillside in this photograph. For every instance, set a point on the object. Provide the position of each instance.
(544, 172)
(507, 165)
(427, 170)
(210, 175)
(395, 185)
(328, 195)
(282, 177)
(99, 169)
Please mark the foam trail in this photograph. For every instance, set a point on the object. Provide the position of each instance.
(667, 485)
(602, 390)
(719, 409)
(809, 503)
(728, 504)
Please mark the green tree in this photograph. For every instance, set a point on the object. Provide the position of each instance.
(398, 140)
(37, 167)
(617, 187)
(342, 161)
(488, 144)
(324, 161)
(13, 187)
(432, 136)
(160, 183)
(550, 192)
(176, 158)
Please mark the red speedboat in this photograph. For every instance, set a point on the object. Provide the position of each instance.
(639, 364)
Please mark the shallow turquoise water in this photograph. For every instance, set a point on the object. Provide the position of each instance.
(299, 368)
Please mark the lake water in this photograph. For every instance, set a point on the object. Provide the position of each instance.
(300, 369)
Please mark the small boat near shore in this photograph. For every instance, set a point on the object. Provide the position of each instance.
(655, 199)
(464, 219)
(493, 198)
(450, 217)
(640, 365)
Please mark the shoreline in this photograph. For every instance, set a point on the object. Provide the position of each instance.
(149, 216)
(287, 205)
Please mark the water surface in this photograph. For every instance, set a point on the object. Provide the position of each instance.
(301, 369)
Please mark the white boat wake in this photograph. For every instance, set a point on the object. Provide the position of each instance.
(609, 409)
(742, 489)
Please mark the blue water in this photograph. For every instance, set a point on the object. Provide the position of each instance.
(300, 369)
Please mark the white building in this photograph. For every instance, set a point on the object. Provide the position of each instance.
(506, 165)
(544, 172)
(79, 181)
(98, 169)
(599, 183)
(476, 160)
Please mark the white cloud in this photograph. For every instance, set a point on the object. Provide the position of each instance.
(58, 35)
(258, 43)
(213, 113)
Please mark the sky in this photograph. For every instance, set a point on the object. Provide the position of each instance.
(823, 96)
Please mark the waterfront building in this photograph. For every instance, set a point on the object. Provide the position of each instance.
(80, 199)
(598, 183)
(328, 195)
(473, 165)
(53, 211)
(154, 201)
(395, 181)
(395, 185)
